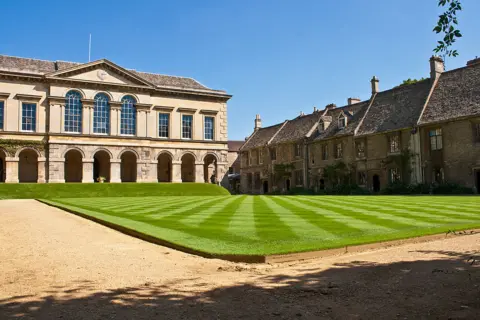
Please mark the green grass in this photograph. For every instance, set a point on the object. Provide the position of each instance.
(262, 225)
(87, 190)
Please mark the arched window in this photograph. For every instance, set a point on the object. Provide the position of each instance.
(73, 112)
(128, 120)
(101, 114)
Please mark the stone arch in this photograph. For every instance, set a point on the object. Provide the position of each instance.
(101, 164)
(28, 165)
(137, 100)
(217, 158)
(128, 150)
(82, 93)
(28, 148)
(181, 154)
(3, 164)
(108, 94)
(73, 165)
(164, 166)
(73, 148)
(128, 165)
(210, 168)
(188, 167)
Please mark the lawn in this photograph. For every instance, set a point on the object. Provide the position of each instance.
(87, 190)
(261, 225)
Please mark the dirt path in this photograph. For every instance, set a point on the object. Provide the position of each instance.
(57, 265)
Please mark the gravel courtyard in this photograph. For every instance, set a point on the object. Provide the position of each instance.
(57, 265)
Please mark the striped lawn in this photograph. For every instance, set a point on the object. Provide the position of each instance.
(281, 224)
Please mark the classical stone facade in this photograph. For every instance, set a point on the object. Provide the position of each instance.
(71, 122)
(426, 132)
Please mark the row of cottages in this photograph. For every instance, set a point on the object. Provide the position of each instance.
(88, 122)
(427, 132)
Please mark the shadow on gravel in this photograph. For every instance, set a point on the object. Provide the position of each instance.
(439, 289)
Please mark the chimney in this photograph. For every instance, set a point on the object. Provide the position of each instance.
(437, 67)
(374, 82)
(258, 122)
(353, 101)
(314, 109)
(474, 61)
(331, 106)
(302, 114)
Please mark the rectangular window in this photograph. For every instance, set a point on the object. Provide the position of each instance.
(394, 143)
(394, 175)
(476, 131)
(298, 150)
(312, 155)
(299, 178)
(230, 170)
(260, 156)
(338, 151)
(360, 149)
(273, 154)
(435, 139)
(341, 122)
(163, 124)
(325, 152)
(2, 111)
(209, 125)
(187, 122)
(29, 116)
(362, 178)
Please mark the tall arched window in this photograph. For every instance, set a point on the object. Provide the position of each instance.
(101, 114)
(73, 112)
(128, 120)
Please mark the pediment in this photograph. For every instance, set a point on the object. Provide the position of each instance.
(102, 71)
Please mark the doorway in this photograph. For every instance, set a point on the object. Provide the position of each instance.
(287, 184)
(265, 187)
(376, 183)
(477, 180)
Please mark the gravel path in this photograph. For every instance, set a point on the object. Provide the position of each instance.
(56, 265)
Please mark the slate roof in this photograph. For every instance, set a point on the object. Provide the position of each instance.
(456, 95)
(395, 109)
(358, 110)
(235, 145)
(297, 128)
(261, 137)
(41, 67)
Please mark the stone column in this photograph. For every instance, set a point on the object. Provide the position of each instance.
(56, 170)
(41, 170)
(177, 171)
(11, 164)
(115, 108)
(115, 165)
(222, 174)
(87, 174)
(199, 172)
(143, 171)
(152, 173)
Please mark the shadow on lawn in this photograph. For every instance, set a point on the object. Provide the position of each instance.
(440, 289)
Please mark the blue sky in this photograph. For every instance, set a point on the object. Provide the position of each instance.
(276, 57)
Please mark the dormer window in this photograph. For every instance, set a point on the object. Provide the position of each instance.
(342, 121)
(321, 126)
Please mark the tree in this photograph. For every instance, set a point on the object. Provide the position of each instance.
(411, 81)
(447, 25)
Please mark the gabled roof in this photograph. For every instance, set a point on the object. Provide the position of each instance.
(395, 109)
(235, 145)
(43, 67)
(456, 95)
(261, 137)
(297, 128)
(358, 110)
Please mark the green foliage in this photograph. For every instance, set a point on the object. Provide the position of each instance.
(12, 145)
(402, 161)
(411, 81)
(86, 190)
(345, 189)
(402, 188)
(337, 174)
(447, 24)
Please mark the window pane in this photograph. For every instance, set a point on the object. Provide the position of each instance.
(29, 116)
(163, 125)
(128, 119)
(73, 112)
(2, 108)
(187, 121)
(209, 122)
(101, 114)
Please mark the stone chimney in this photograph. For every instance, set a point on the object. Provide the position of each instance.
(437, 67)
(258, 122)
(353, 101)
(302, 114)
(314, 109)
(474, 61)
(374, 82)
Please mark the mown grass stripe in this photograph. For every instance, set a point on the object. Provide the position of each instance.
(184, 210)
(144, 204)
(268, 223)
(204, 214)
(348, 220)
(367, 216)
(432, 212)
(171, 206)
(297, 222)
(242, 222)
(219, 221)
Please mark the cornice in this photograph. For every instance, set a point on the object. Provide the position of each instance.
(206, 111)
(162, 108)
(27, 97)
(4, 95)
(143, 106)
(187, 110)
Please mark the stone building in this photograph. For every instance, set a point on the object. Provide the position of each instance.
(428, 132)
(79, 122)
